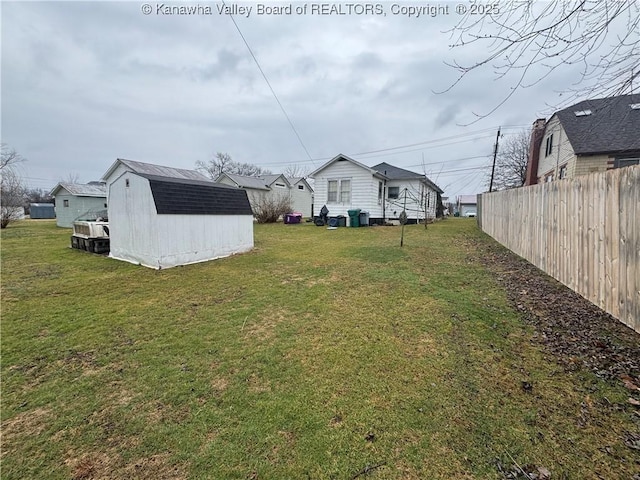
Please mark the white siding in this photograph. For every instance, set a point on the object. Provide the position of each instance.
(279, 191)
(419, 199)
(364, 189)
(561, 150)
(226, 181)
(119, 170)
(140, 236)
(301, 200)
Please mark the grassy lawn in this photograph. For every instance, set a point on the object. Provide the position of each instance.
(321, 354)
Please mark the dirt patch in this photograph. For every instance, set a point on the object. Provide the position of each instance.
(263, 327)
(83, 361)
(577, 332)
(219, 384)
(256, 384)
(109, 465)
(26, 424)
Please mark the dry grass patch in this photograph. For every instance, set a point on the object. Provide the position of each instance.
(30, 423)
(109, 465)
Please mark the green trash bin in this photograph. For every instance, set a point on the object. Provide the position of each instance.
(354, 217)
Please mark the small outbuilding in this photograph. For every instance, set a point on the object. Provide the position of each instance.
(467, 205)
(73, 200)
(42, 210)
(163, 222)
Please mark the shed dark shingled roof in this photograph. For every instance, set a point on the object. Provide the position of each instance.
(178, 196)
(612, 127)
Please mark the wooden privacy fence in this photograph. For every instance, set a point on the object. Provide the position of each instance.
(583, 231)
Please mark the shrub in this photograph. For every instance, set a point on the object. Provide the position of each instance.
(268, 209)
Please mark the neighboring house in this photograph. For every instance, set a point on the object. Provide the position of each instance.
(301, 196)
(265, 187)
(74, 200)
(343, 184)
(162, 222)
(467, 205)
(590, 136)
(42, 210)
(258, 188)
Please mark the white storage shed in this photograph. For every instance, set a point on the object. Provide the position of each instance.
(163, 222)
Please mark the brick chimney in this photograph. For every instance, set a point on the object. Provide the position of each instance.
(537, 132)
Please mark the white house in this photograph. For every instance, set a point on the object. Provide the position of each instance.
(296, 190)
(74, 200)
(162, 222)
(343, 184)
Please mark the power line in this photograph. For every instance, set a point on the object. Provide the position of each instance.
(270, 87)
(399, 147)
(424, 147)
(438, 140)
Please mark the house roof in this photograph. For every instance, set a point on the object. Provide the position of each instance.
(262, 182)
(82, 189)
(396, 173)
(157, 170)
(241, 181)
(180, 196)
(604, 125)
(293, 181)
(271, 179)
(382, 170)
(341, 158)
(47, 205)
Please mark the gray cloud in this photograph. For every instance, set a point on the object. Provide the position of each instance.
(86, 82)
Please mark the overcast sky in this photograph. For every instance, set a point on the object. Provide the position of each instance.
(84, 83)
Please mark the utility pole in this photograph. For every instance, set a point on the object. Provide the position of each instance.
(495, 155)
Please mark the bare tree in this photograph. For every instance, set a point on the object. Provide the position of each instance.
(602, 36)
(71, 178)
(249, 169)
(12, 189)
(511, 163)
(9, 157)
(216, 166)
(295, 170)
(223, 163)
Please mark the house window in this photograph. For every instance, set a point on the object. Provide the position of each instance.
(332, 191)
(549, 146)
(345, 191)
(65, 203)
(563, 172)
(300, 187)
(379, 193)
(126, 182)
(625, 162)
(105, 205)
(339, 191)
(548, 178)
(280, 185)
(393, 192)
